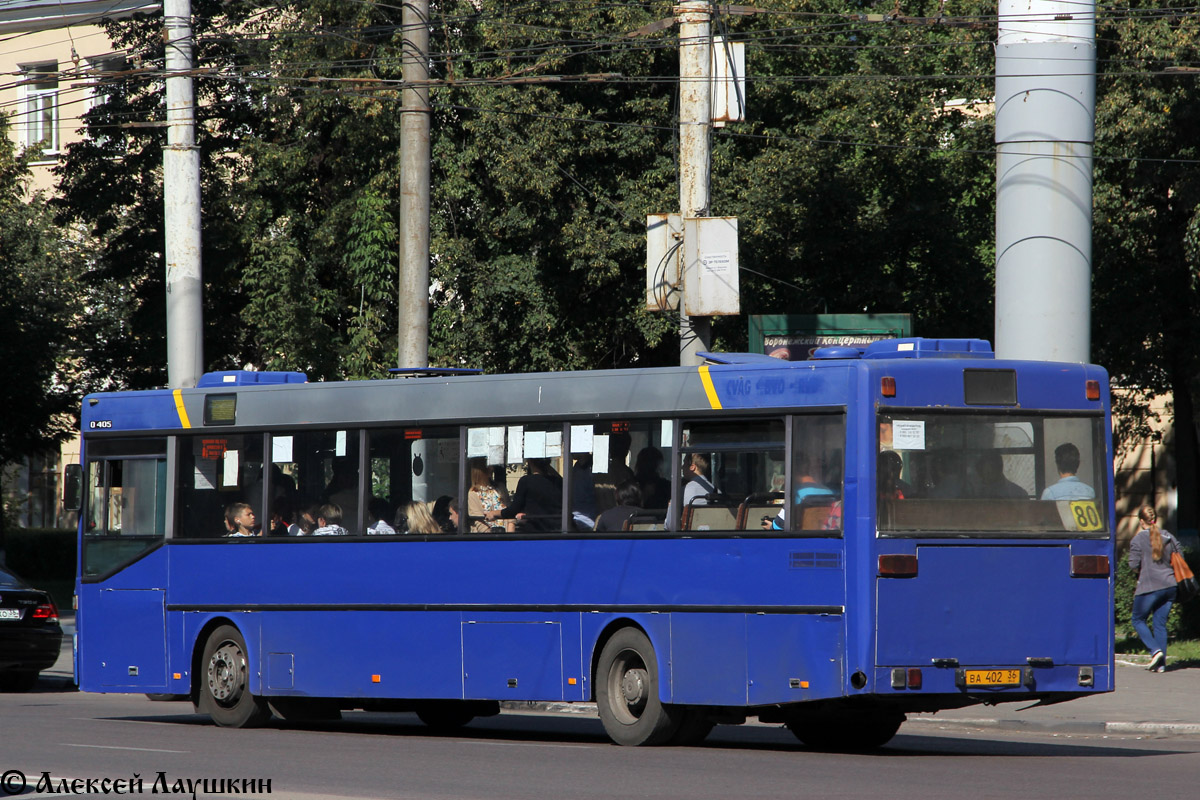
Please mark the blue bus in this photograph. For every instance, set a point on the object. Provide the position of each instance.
(828, 545)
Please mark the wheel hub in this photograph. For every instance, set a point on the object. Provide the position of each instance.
(225, 673)
(633, 687)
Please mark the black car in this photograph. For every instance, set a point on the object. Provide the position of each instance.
(30, 636)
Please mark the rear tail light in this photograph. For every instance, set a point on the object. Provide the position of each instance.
(46, 611)
(1089, 566)
(898, 566)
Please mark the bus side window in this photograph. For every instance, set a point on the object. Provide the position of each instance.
(816, 494)
(216, 471)
(408, 465)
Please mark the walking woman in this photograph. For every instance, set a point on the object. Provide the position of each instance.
(1150, 557)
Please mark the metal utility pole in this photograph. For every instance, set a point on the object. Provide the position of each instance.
(695, 124)
(1045, 129)
(414, 188)
(181, 204)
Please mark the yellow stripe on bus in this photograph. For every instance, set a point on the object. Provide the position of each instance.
(709, 389)
(183, 417)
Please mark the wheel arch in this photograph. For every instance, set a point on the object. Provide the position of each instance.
(198, 644)
(660, 640)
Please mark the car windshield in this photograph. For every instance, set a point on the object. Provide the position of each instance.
(1010, 473)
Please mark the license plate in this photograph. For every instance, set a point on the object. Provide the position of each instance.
(993, 677)
(10, 613)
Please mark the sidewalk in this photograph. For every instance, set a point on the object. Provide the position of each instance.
(1146, 703)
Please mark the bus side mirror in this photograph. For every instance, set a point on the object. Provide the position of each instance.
(73, 488)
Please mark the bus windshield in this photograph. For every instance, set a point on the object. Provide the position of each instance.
(993, 473)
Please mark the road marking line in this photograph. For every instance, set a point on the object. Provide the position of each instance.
(114, 747)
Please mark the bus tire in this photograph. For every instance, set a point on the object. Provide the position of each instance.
(694, 728)
(627, 692)
(851, 731)
(445, 716)
(225, 682)
(305, 709)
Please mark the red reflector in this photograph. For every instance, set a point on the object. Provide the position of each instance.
(1089, 566)
(1093, 390)
(897, 566)
(914, 677)
(887, 386)
(45, 611)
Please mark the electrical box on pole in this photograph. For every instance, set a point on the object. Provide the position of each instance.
(664, 239)
(710, 266)
(729, 81)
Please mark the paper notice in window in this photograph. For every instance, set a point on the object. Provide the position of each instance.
(535, 444)
(516, 444)
(339, 443)
(477, 442)
(206, 475)
(229, 474)
(281, 449)
(581, 438)
(908, 434)
(600, 453)
(553, 444)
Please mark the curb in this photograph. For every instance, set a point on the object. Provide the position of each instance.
(1028, 726)
(1142, 728)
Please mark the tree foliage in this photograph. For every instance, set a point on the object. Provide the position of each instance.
(36, 303)
(863, 180)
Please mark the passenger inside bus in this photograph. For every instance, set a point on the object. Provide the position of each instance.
(379, 511)
(990, 481)
(416, 518)
(583, 493)
(484, 501)
(329, 521)
(239, 520)
(629, 502)
(1068, 486)
(537, 502)
(445, 514)
(655, 489)
(888, 469)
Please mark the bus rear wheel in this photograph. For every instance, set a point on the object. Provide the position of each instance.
(851, 731)
(225, 682)
(445, 716)
(627, 692)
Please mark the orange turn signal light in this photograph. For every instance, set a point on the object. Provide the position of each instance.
(897, 566)
(1092, 390)
(887, 386)
(1089, 566)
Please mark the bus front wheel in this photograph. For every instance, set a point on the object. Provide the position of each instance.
(627, 692)
(225, 682)
(852, 731)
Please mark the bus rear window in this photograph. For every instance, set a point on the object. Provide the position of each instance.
(1019, 474)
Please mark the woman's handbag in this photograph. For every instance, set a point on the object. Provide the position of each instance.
(1186, 582)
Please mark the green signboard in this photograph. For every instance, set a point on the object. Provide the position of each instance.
(793, 337)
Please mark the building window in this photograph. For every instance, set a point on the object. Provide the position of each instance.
(105, 72)
(40, 106)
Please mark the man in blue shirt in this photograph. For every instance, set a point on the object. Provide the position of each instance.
(1068, 486)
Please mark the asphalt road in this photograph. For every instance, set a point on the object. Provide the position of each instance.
(528, 756)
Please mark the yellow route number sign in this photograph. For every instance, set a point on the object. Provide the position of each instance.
(1086, 515)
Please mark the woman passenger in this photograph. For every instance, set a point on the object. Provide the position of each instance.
(419, 519)
(484, 503)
